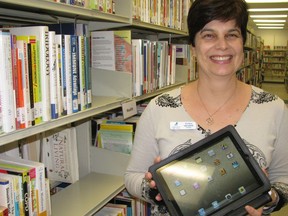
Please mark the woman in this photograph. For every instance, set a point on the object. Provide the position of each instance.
(217, 32)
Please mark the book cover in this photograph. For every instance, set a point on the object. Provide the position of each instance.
(7, 99)
(116, 137)
(41, 33)
(60, 155)
(37, 180)
(53, 76)
(123, 50)
(103, 50)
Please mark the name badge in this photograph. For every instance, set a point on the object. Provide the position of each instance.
(183, 125)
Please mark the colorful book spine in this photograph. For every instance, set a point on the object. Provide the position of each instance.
(68, 72)
(74, 72)
(88, 72)
(82, 80)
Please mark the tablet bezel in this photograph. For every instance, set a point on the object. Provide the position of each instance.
(256, 198)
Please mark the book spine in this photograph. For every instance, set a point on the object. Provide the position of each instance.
(31, 93)
(43, 47)
(63, 73)
(68, 73)
(23, 55)
(88, 72)
(5, 198)
(75, 72)
(82, 78)
(6, 87)
(53, 76)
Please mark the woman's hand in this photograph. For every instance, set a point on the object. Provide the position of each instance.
(152, 184)
(253, 212)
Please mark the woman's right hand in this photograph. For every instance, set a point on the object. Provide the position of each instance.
(152, 183)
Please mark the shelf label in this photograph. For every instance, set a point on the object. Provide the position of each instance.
(129, 109)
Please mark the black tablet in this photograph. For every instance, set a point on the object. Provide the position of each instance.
(215, 176)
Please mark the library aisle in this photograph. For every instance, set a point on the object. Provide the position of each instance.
(278, 89)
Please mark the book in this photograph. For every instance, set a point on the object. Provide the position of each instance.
(61, 77)
(82, 74)
(74, 72)
(3, 211)
(7, 198)
(25, 199)
(22, 50)
(116, 137)
(37, 181)
(68, 72)
(88, 72)
(60, 155)
(14, 207)
(7, 95)
(123, 50)
(41, 33)
(53, 76)
(103, 50)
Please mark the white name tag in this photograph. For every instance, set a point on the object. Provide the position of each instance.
(183, 125)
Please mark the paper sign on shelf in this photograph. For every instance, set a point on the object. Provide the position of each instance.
(129, 109)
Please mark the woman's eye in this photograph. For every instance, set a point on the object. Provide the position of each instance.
(232, 36)
(208, 36)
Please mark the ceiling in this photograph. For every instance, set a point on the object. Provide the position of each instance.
(275, 4)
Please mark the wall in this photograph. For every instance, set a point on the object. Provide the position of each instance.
(273, 37)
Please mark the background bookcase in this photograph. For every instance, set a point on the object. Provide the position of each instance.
(101, 171)
(275, 65)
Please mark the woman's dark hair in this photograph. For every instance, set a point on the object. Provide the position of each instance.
(202, 12)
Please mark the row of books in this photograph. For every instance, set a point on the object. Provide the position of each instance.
(24, 190)
(152, 63)
(168, 13)
(125, 205)
(107, 6)
(45, 75)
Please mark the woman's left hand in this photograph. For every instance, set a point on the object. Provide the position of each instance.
(253, 212)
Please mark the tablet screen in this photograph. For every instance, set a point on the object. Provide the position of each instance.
(210, 178)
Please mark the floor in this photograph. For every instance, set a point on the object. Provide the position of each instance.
(278, 89)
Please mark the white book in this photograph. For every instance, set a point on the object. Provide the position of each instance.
(38, 183)
(53, 76)
(103, 50)
(7, 94)
(61, 81)
(60, 155)
(41, 33)
(137, 44)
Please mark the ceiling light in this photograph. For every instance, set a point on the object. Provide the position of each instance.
(269, 21)
(271, 27)
(267, 9)
(268, 16)
(265, 1)
(269, 24)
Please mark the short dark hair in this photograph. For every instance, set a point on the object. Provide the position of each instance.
(202, 12)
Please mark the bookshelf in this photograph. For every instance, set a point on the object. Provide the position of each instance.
(274, 63)
(101, 171)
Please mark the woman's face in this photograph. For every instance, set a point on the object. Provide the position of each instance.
(219, 48)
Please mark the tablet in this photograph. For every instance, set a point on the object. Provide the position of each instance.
(215, 176)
